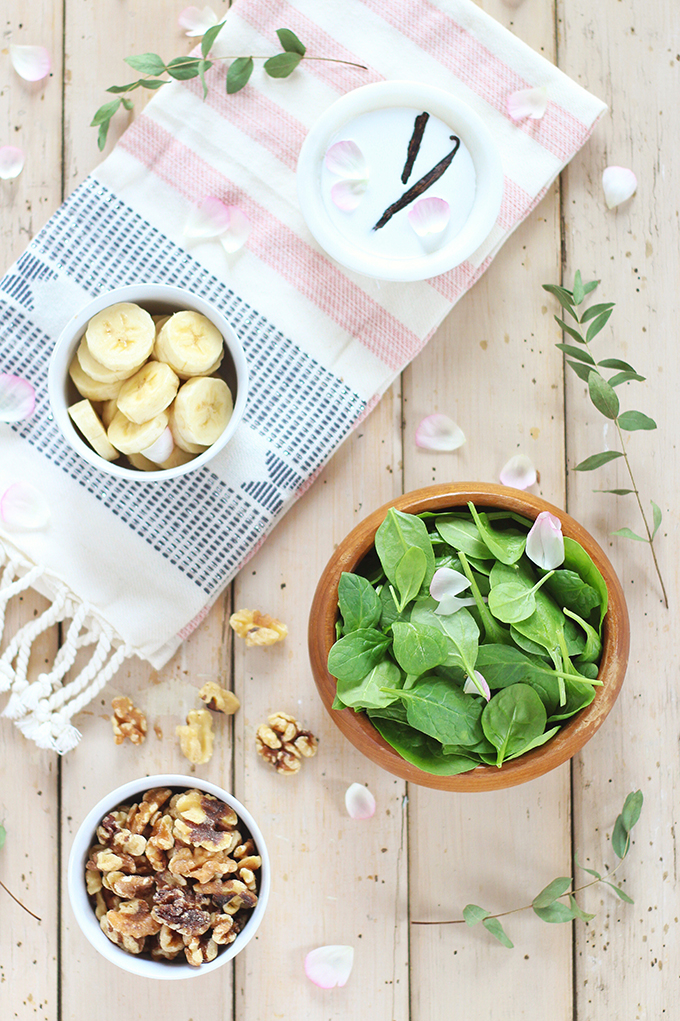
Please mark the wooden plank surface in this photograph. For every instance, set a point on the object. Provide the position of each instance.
(494, 368)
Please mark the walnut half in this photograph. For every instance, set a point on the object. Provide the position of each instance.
(127, 721)
(257, 628)
(283, 743)
(196, 738)
(219, 699)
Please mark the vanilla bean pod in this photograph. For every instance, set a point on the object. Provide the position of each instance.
(414, 145)
(420, 186)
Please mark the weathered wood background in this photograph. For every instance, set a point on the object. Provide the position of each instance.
(493, 367)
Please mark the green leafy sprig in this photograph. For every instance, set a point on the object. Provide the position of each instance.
(549, 904)
(603, 395)
(280, 65)
(3, 836)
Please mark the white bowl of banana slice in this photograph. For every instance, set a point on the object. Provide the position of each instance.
(148, 382)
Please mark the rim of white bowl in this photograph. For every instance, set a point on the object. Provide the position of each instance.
(84, 912)
(65, 348)
(454, 112)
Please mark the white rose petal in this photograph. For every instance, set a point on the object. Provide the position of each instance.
(31, 62)
(530, 103)
(347, 195)
(429, 216)
(359, 802)
(197, 22)
(518, 472)
(12, 162)
(347, 160)
(439, 432)
(23, 508)
(17, 398)
(545, 542)
(619, 184)
(237, 232)
(329, 966)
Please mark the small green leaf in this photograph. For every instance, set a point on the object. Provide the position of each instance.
(598, 324)
(124, 88)
(565, 298)
(556, 912)
(570, 330)
(128, 104)
(3, 835)
(209, 38)
(626, 533)
(625, 377)
(473, 914)
(597, 460)
(602, 395)
(619, 892)
(105, 113)
(581, 370)
(183, 68)
(282, 64)
(147, 63)
(596, 310)
(238, 74)
(551, 892)
(578, 911)
(632, 420)
(101, 134)
(493, 926)
(579, 293)
(615, 363)
(290, 41)
(202, 68)
(591, 872)
(616, 492)
(153, 83)
(590, 286)
(632, 806)
(656, 511)
(576, 352)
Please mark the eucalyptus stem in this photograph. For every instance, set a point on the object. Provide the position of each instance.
(17, 901)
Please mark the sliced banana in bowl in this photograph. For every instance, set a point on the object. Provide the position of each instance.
(167, 374)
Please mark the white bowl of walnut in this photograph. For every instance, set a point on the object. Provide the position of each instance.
(169, 877)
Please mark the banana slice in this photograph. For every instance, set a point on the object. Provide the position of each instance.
(95, 369)
(143, 464)
(180, 440)
(160, 322)
(92, 388)
(148, 392)
(108, 412)
(177, 458)
(131, 437)
(86, 419)
(202, 409)
(189, 343)
(121, 337)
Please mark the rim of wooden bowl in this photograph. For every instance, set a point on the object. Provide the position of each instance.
(357, 727)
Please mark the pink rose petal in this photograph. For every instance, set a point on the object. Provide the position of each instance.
(238, 230)
(17, 398)
(478, 686)
(11, 162)
(518, 472)
(619, 184)
(348, 194)
(439, 432)
(161, 448)
(545, 542)
(23, 508)
(429, 216)
(329, 966)
(31, 62)
(528, 103)
(359, 802)
(208, 219)
(347, 160)
(197, 22)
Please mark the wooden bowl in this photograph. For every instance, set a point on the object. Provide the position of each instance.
(357, 727)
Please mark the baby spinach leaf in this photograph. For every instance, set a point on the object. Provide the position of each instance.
(389, 612)
(459, 629)
(513, 601)
(395, 712)
(576, 559)
(569, 589)
(367, 693)
(533, 648)
(544, 624)
(410, 574)
(536, 743)
(493, 631)
(358, 601)
(593, 646)
(444, 712)
(356, 654)
(507, 546)
(398, 533)
(420, 750)
(462, 535)
(512, 719)
(418, 647)
(578, 694)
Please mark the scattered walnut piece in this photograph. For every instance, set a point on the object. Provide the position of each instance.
(134, 918)
(196, 738)
(257, 628)
(198, 949)
(282, 743)
(219, 699)
(127, 721)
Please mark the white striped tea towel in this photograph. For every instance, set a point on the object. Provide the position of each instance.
(322, 343)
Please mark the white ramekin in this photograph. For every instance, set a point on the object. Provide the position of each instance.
(156, 299)
(463, 121)
(82, 907)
